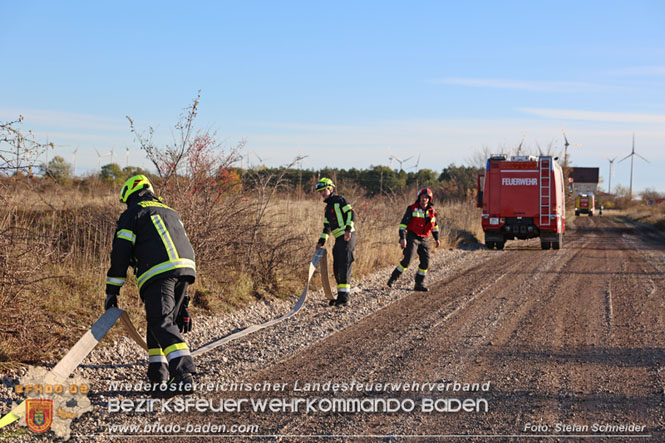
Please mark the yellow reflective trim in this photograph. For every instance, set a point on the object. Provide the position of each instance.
(126, 234)
(402, 226)
(338, 213)
(347, 208)
(349, 222)
(155, 351)
(175, 347)
(164, 267)
(324, 236)
(115, 281)
(166, 237)
(145, 204)
(400, 267)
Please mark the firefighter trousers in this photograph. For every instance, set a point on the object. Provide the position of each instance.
(342, 260)
(421, 245)
(169, 354)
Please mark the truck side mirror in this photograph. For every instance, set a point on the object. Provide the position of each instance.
(481, 186)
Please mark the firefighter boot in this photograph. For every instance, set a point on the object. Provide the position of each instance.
(393, 278)
(342, 299)
(419, 284)
(181, 384)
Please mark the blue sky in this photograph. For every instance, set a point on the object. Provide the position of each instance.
(346, 83)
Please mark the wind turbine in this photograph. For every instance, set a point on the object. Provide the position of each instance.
(566, 144)
(519, 148)
(99, 158)
(76, 151)
(261, 160)
(415, 167)
(632, 159)
(609, 185)
(400, 161)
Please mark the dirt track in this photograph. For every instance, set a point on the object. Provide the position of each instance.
(573, 337)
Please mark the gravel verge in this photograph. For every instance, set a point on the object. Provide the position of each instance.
(238, 360)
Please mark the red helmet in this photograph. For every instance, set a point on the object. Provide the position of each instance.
(427, 191)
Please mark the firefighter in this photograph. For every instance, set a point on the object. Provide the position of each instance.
(338, 220)
(151, 238)
(418, 222)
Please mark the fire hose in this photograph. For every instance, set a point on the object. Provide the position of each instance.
(94, 335)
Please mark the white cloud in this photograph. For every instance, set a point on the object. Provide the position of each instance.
(598, 116)
(526, 85)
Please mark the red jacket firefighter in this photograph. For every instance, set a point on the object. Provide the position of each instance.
(418, 223)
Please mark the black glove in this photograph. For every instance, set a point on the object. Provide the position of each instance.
(111, 301)
(186, 323)
(183, 319)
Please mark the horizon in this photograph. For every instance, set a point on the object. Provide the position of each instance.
(348, 85)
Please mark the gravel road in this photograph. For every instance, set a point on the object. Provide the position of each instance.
(525, 342)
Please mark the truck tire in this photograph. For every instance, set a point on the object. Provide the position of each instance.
(558, 243)
(591, 214)
(499, 245)
(490, 245)
(544, 245)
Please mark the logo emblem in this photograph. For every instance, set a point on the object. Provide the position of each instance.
(39, 415)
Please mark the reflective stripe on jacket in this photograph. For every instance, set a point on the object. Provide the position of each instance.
(338, 218)
(420, 221)
(151, 237)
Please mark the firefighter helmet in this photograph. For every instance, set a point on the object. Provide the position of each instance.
(134, 184)
(324, 183)
(426, 191)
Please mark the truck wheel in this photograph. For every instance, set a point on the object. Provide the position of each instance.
(490, 245)
(591, 214)
(499, 245)
(556, 245)
(544, 245)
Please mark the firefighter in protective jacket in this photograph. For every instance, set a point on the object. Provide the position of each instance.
(151, 238)
(338, 221)
(418, 222)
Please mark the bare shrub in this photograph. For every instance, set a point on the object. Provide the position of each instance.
(19, 151)
(227, 224)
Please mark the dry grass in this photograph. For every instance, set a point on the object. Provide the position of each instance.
(55, 243)
(651, 215)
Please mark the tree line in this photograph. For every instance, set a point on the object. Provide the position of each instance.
(452, 183)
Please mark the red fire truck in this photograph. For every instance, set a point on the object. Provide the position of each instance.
(522, 197)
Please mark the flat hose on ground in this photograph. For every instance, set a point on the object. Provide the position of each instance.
(100, 328)
(320, 257)
(78, 353)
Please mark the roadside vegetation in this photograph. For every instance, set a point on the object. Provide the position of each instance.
(253, 230)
